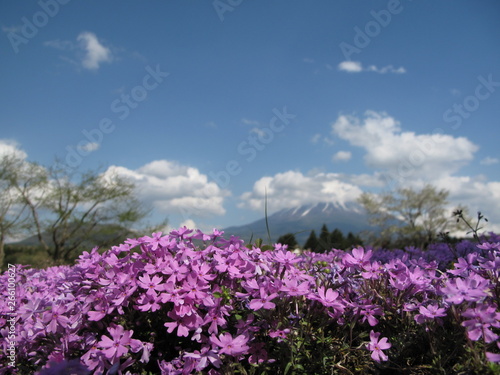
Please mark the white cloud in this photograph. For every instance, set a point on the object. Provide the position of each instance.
(249, 122)
(350, 66)
(489, 161)
(89, 147)
(175, 189)
(10, 147)
(476, 195)
(95, 52)
(89, 52)
(403, 154)
(189, 224)
(291, 188)
(342, 156)
(357, 67)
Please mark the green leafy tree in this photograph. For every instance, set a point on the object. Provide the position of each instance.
(312, 242)
(66, 210)
(288, 239)
(407, 216)
(14, 216)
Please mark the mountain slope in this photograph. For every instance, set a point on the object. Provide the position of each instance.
(301, 220)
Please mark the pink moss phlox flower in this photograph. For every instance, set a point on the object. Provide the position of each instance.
(204, 358)
(481, 319)
(73, 367)
(55, 318)
(330, 298)
(119, 343)
(264, 302)
(368, 312)
(184, 324)
(472, 289)
(285, 257)
(376, 346)
(280, 334)
(228, 345)
(493, 357)
(463, 266)
(358, 258)
(152, 285)
(429, 313)
(293, 288)
(372, 270)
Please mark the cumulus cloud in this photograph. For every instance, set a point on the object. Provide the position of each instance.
(95, 52)
(476, 195)
(292, 188)
(404, 155)
(175, 189)
(357, 67)
(11, 148)
(342, 156)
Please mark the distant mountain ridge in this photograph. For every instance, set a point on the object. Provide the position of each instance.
(349, 217)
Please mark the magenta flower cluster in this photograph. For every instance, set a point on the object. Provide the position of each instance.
(191, 302)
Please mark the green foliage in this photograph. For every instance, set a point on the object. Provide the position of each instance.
(333, 240)
(407, 216)
(288, 239)
(312, 242)
(66, 210)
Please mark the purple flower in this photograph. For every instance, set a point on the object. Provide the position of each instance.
(482, 319)
(429, 313)
(73, 367)
(471, 289)
(152, 285)
(493, 357)
(281, 334)
(117, 345)
(358, 258)
(376, 346)
(265, 301)
(229, 345)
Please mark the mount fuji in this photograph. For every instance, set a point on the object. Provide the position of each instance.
(349, 217)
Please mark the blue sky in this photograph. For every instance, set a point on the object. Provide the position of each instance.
(207, 106)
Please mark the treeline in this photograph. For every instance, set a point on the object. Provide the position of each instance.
(325, 242)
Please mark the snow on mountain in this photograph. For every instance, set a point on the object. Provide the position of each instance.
(348, 217)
